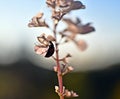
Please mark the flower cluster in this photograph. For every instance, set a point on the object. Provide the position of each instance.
(37, 21)
(75, 28)
(62, 7)
(48, 45)
(66, 92)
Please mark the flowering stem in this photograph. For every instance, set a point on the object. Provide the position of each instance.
(59, 74)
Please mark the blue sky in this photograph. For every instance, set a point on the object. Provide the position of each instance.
(104, 44)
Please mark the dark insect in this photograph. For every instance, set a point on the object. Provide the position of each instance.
(50, 51)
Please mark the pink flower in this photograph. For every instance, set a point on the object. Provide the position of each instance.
(37, 21)
(57, 15)
(55, 68)
(70, 93)
(82, 45)
(66, 92)
(77, 27)
(41, 50)
(62, 7)
(51, 3)
(69, 5)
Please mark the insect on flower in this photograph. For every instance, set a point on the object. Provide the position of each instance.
(46, 47)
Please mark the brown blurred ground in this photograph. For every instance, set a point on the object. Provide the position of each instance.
(23, 80)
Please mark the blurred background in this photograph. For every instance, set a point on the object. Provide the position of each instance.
(25, 75)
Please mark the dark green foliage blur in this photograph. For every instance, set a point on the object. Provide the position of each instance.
(23, 80)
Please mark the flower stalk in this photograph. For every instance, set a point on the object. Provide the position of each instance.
(59, 73)
(48, 45)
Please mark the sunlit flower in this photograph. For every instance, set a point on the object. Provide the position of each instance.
(37, 21)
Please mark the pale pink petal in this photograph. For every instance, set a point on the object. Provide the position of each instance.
(55, 68)
(70, 68)
(40, 50)
(68, 93)
(82, 45)
(39, 15)
(37, 21)
(56, 89)
(50, 38)
(51, 3)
